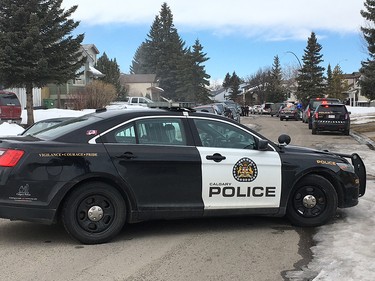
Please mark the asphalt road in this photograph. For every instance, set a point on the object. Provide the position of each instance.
(244, 248)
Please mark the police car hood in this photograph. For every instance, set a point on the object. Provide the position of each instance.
(311, 151)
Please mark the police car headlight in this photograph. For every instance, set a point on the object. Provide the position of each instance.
(346, 167)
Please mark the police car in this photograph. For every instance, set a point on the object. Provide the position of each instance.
(97, 172)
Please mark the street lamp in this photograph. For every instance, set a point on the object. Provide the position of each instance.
(299, 62)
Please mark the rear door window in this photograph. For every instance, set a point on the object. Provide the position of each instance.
(9, 99)
(156, 131)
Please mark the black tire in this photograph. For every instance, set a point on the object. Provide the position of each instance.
(107, 221)
(346, 132)
(281, 119)
(310, 188)
(310, 124)
(313, 131)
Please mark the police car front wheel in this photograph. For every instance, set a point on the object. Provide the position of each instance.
(313, 202)
(94, 213)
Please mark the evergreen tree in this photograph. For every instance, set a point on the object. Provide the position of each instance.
(311, 79)
(163, 53)
(329, 86)
(235, 82)
(180, 70)
(339, 86)
(111, 70)
(140, 60)
(226, 82)
(367, 82)
(199, 76)
(37, 47)
(276, 92)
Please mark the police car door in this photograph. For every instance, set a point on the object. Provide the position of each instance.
(235, 174)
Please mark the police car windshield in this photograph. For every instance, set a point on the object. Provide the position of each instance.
(65, 127)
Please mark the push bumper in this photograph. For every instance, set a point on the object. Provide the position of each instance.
(359, 169)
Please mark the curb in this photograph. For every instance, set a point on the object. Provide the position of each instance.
(363, 139)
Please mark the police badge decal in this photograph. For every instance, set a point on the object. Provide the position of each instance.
(245, 170)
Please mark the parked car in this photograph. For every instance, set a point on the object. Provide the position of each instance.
(275, 108)
(139, 101)
(305, 114)
(233, 104)
(331, 117)
(10, 108)
(209, 108)
(257, 109)
(43, 124)
(289, 111)
(314, 102)
(221, 107)
(232, 113)
(266, 108)
(98, 172)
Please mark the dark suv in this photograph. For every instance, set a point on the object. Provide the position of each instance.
(313, 104)
(331, 117)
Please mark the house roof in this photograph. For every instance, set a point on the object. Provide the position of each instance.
(90, 46)
(95, 72)
(137, 78)
(352, 75)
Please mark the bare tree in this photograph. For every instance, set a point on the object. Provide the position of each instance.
(97, 94)
(290, 73)
(258, 83)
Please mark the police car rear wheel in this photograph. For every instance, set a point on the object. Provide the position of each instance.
(94, 213)
(313, 202)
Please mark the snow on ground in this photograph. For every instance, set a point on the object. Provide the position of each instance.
(345, 249)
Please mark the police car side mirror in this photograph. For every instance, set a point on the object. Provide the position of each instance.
(284, 139)
(262, 145)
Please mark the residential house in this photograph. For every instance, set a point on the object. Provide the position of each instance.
(61, 96)
(249, 95)
(142, 85)
(354, 93)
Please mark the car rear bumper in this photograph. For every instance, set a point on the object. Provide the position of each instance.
(10, 120)
(330, 126)
(25, 213)
(288, 116)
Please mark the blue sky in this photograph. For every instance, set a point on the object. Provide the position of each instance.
(238, 35)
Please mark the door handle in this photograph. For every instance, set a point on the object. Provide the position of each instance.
(217, 157)
(127, 155)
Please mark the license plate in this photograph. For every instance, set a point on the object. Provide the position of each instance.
(331, 116)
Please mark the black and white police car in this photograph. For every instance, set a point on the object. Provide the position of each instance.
(97, 172)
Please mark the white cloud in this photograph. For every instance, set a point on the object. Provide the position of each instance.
(270, 19)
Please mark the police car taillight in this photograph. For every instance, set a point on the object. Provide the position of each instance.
(10, 157)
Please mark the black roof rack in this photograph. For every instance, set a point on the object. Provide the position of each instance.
(177, 106)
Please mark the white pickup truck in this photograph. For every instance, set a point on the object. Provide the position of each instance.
(139, 101)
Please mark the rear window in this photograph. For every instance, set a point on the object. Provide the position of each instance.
(315, 102)
(9, 99)
(332, 109)
(66, 127)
